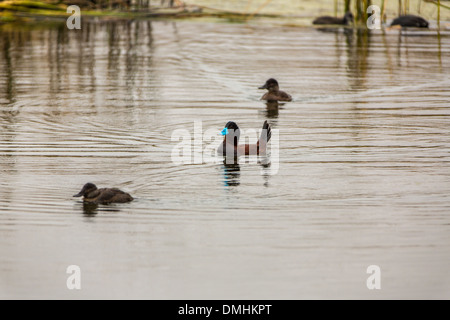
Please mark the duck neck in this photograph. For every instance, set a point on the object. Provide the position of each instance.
(274, 89)
(90, 193)
(230, 141)
(229, 148)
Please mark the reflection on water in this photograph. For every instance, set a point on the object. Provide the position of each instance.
(362, 176)
(89, 208)
(358, 50)
(232, 169)
(232, 173)
(273, 109)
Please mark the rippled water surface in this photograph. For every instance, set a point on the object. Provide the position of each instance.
(358, 175)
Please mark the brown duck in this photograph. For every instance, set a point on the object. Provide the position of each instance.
(91, 193)
(274, 94)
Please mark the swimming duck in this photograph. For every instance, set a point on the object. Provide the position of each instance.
(410, 20)
(230, 145)
(274, 94)
(91, 193)
(347, 19)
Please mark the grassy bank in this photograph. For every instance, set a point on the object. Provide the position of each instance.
(26, 10)
(295, 11)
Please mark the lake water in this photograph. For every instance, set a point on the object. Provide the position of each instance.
(358, 175)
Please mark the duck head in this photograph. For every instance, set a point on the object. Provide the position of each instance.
(87, 188)
(271, 85)
(349, 18)
(231, 132)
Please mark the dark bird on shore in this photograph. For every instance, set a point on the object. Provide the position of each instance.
(346, 20)
(410, 20)
(274, 94)
(91, 193)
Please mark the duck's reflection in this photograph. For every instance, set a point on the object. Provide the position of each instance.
(266, 172)
(89, 208)
(272, 110)
(231, 172)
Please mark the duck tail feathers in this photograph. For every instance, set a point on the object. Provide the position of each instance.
(266, 133)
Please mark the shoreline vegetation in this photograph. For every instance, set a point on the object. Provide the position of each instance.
(32, 10)
(39, 10)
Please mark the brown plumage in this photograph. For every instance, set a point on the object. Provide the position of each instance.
(274, 94)
(91, 193)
